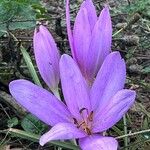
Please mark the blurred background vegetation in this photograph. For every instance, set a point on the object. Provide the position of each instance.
(131, 36)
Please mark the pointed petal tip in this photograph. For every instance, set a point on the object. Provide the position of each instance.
(39, 29)
(35, 31)
(115, 54)
(64, 57)
(132, 94)
(106, 8)
(42, 143)
(42, 27)
(120, 103)
(113, 72)
(105, 14)
(129, 93)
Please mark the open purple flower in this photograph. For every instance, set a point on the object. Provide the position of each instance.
(88, 112)
(47, 57)
(90, 40)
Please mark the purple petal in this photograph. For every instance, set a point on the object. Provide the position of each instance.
(100, 45)
(109, 80)
(91, 13)
(74, 86)
(47, 56)
(61, 131)
(69, 31)
(96, 142)
(81, 38)
(39, 102)
(114, 111)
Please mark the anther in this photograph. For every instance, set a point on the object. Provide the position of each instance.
(90, 117)
(81, 110)
(75, 121)
(88, 131)
(82, 123)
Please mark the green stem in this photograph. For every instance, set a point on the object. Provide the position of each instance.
(125, 131)
(118, 32)
(132, 134)
(117, 130)
(56, 93)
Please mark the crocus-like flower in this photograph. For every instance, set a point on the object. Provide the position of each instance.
(47, 57)
(88, 112)
(90, 40)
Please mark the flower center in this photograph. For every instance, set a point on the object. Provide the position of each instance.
(86, 122)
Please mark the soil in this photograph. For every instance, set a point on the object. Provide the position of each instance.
(133, 44)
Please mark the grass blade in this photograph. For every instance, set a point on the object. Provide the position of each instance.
(35, 138)
(30, 66)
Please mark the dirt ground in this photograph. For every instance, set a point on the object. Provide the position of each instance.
(133, 42)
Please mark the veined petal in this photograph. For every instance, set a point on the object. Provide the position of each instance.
(74, 86)
(39, 102)
(91, 13)
(114, 111)
(81, 38)
(47, 56)
(110, 79)
(96, 142)
(100, 45)
(62, 131)
(69, 31)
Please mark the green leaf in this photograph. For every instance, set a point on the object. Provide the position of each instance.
(146, 69)
(12, 122)
(30, 66)
(141, 6)
(32, 124)
(35, 138)
(146, 125)
(17, 14)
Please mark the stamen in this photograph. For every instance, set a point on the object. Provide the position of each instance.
(90, 117)
(87, 118)
(75, 121)
(88, 131)
(81, 110)
(82, 123)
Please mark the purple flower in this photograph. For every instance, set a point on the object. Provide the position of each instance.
(47, 57)
(88, 112)
(90, 40)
